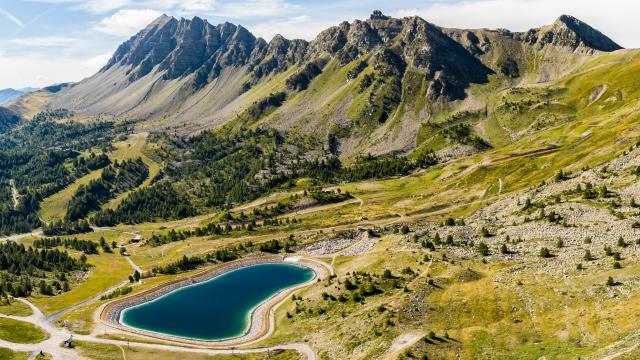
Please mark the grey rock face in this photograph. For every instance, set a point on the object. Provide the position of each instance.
(572, 33)
(182, 47)
(449, 58)
(277, 56)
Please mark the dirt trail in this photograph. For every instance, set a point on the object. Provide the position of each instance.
(21, 236)
(15, 195)
(401, 343)
(56, 316)
(134, 265)
(625, 346)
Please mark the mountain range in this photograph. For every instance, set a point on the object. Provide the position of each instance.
(365, 86)
(9, 94)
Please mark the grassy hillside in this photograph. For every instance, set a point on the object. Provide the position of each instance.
(54, 207)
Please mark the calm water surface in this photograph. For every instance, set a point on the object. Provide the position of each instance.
(216, 309)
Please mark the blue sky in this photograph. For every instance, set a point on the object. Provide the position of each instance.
(49, 41)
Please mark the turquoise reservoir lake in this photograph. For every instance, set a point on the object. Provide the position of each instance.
(215, 309)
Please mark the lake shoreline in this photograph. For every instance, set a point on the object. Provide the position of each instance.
(260, 321)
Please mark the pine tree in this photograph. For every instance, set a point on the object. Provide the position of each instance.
(588, 256)
(483, 249)
(545, 253)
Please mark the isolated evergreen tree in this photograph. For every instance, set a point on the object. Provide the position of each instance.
(545, 253)
(588, 256)
(504, 249)
(482, 249)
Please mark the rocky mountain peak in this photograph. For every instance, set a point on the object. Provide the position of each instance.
(183, 47)
(443, 61)
(276, 56)
(193, 46)
(570, 32)
(378, 15)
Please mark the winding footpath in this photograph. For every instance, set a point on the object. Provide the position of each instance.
(15, 195)
(57, 336)
(21, 236)
(134, 265)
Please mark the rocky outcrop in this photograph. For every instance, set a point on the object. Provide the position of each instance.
(449, 67)
(183, 47)
(450, 58)
(419, 44)
(279, 55)
(571, 33)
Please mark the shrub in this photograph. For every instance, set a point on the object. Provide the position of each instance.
(608, 251)
(483, 249)
(504, 249)
(449, 240)
(621, 242)
(545, 253)
(485, 233)
(588, 256)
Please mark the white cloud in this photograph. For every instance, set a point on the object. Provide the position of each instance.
(103, 6)
(179, 7)
(57, 1)
(615, 18)
(127, 22)
(44, 41)
(299, 27)
(195, 6)
(11, 17)
(23, 71)
(256, 8)
(98, 61)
